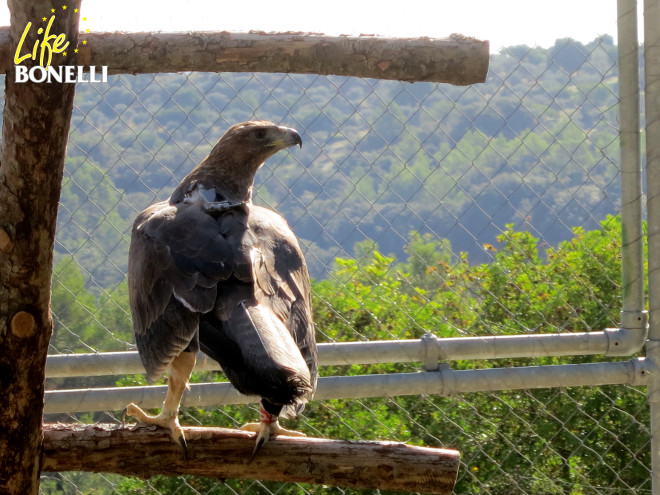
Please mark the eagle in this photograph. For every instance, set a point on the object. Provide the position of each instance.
(209, 270)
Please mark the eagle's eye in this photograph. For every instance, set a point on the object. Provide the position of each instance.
(259, 133)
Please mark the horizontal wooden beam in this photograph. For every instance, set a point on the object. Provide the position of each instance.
(456, 60)
(225, 454)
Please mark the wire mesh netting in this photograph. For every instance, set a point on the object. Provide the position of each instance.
(464, 211)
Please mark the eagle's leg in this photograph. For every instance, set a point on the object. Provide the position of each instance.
(180, 371)
(268, 425)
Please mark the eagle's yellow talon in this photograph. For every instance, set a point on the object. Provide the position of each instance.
(164, 420)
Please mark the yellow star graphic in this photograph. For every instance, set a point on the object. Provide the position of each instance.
(84, 42)
(43, 19)
(75, 10)
(84, 18)
(87, 30)
(75, 50)
(63, 7)
(64, 53)
(52, 10)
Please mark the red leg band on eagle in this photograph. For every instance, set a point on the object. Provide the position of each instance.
(266, 417)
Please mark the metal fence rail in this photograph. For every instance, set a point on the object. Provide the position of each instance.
(428, 350)
(444, 382)
(489, 215)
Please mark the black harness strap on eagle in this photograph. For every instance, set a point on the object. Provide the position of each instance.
(209, 270)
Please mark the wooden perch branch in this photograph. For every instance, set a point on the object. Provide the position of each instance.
(225, 453)
(456, 60)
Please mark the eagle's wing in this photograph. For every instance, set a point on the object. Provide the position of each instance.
(282, 280)
(178, 254)
(261, 329)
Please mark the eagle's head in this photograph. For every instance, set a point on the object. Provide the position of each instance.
(251, 143)
(235, 159)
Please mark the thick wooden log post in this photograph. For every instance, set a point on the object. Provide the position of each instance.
(225, 453)
(35, 132)
(456, 60)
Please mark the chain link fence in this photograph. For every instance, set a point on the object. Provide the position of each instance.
(465, 211)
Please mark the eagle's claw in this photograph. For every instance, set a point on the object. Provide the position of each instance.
(167, 421)
(265, 430)
(124, 416)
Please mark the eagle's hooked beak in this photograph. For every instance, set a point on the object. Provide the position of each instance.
(291, 137)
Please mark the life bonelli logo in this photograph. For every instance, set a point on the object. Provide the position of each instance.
(47, 45)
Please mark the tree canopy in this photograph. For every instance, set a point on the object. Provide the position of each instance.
(536, 145)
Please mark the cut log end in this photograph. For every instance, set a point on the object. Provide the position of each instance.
(225, 454)
(23, 325)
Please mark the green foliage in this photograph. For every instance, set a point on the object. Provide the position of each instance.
(543, 441)
(73, 306)
(85, 322)
(575, 288)
(428, 259)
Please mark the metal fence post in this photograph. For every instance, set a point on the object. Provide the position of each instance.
(632, 245)
(652, 110)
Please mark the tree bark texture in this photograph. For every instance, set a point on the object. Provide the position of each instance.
(35, 131)
(456, 60)
(225, 453)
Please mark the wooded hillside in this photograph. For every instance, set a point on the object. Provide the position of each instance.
(535, 145)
